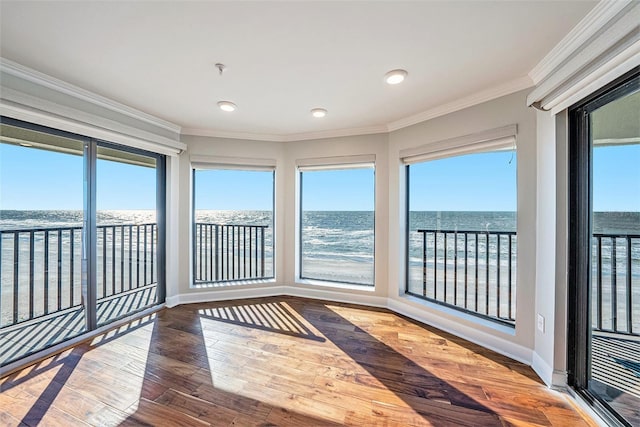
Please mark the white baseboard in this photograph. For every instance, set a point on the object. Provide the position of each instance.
(230, 293)
(492, 342)
(553, 378)
(227, 293)
(559, 380)
(337, 296)
(543, 369)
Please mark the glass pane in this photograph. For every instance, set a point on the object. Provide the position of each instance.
(337, 225)
(614, 358)
(462, 233)
(41, 202)
(233, 231)
(127, 233)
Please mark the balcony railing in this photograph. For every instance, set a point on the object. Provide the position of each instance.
(229, 252)
(473, 271)
(40, 268)
(616, 283)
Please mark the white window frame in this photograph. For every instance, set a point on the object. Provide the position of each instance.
(365, 161)
(206, 162)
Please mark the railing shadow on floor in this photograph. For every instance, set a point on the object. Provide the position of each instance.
(65, 362)
(266, 316)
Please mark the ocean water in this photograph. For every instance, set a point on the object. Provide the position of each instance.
(338, 246)
(332, 241)
(344, 236)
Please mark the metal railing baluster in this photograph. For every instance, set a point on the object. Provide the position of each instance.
(629, 289)
(59, 269)
(71, 272)
(599, 283)
(614, 284)
(32, 288)
(45, 279)
(113, 260)
(16, 283)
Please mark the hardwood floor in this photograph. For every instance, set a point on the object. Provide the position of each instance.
(280, 361)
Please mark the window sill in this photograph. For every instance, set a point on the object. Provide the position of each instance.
(338, 285)
(468, 317)
(233, 283)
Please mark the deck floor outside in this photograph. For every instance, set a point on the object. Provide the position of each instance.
(20, 340)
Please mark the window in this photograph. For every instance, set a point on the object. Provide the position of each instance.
(337, 223)
(462, 243)
(233, 229)
(81, 234)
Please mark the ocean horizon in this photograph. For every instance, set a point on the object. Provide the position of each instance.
(337, 246)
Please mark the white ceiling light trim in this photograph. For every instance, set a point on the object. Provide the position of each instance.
(319, 113)
(227, 106)
(33, 76)
(395, 77)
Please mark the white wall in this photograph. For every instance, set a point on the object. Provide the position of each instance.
(545, 245)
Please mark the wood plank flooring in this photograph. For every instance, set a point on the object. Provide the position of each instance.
(280, 361)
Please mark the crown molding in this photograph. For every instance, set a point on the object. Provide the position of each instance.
(215, 133)
(466, 102)
(338, 133)
(33, 76)
(589, 26)
(306, 136)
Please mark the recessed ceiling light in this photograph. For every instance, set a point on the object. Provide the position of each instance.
(227, 106)
(26, 144)
(318, 112)
(394, 77)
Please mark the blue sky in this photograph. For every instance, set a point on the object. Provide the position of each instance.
(234, 190)
(36, 179)
(33, 179)
(475, 182)
(338, 190)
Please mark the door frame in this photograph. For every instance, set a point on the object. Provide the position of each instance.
(580, 225)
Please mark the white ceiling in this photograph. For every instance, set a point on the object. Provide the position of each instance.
(284, 58)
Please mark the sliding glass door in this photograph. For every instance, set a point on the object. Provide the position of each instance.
(81, 235)
(126, 232)
(605, 251)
